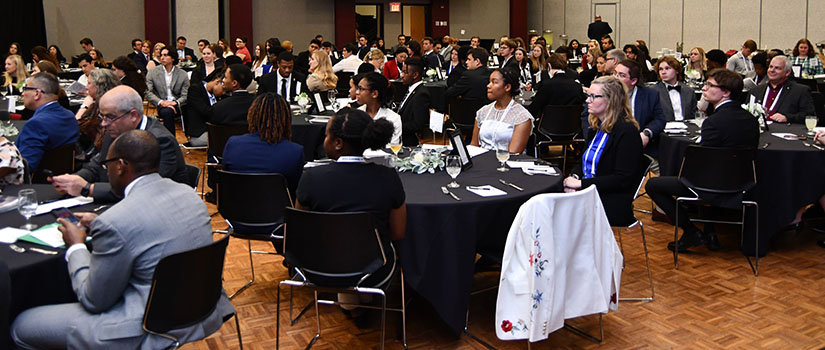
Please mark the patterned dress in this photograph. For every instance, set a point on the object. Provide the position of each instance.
(10, 158)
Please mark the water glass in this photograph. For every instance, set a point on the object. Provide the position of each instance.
(453, 169)
(810, 123)
(27, 205)
(502, 154)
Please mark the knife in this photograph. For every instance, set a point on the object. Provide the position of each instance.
(446, 191)
(511, 185)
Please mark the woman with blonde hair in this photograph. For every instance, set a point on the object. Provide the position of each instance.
(696, 63)
(154, 56)
(15, 74)
(374, 58)
(538, 59)
(227, 51)
(614, 149)
(321, 77)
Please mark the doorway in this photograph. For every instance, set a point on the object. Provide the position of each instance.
(369, 20)
(415, 20)
(610, 14)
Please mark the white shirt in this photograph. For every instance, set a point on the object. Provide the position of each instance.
(633, 101)
(409, 92)
(676, 102)
(280, 83)
(349, 64)
(169, 96)
(391, 117)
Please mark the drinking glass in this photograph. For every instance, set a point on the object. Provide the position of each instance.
(502, 154)
(303, 102)
(333, 102)
(810, 123)
(453, 169)
(26, 205)
(396, 147)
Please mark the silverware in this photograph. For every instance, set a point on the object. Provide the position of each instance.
(446, 191)
(100, 208)
(510, 184)
(479, 188)
(17, 248)
(765, 146)
(43, 251)
(815, 146)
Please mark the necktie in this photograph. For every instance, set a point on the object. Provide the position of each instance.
(674, 87)
(283, 89)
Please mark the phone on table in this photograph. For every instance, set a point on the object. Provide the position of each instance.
(63, 213)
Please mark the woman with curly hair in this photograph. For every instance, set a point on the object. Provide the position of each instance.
(321, 77)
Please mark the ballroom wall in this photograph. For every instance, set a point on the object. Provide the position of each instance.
(295, 20)
(204, 25)
(69, 21)
(705, 23)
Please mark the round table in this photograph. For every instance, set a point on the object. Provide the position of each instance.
(443, 235)
(789, 175)
(310, 135)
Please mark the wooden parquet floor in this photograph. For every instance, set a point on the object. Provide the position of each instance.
(712, 301)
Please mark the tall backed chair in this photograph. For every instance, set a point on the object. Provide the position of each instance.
(559, 126)
(733, 175)
(59, 160)
(463, 113)
(216, 138)
(253, 206)
(180, 298)
(193, 175)
(631, 222)
(336, 252)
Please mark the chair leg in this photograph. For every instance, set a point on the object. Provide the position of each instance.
(649, 274)
(755, 268)
(383, 318)
(238, 328)
(471, 335)
(584, 334)
(252, 267)
(676, 237)
(278, 314)
(317, 321)
(403, 313)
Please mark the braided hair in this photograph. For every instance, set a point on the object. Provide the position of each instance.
(270, 116)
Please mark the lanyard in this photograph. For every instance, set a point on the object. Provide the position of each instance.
(509, 105)
(775, 99)
(596, 155)
(350, 159)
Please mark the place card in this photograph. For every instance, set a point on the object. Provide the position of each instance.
(436, 121)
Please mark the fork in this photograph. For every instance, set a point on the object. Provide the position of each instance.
(446, 191)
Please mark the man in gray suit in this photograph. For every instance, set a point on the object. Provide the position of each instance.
(122, 110)
(156, 218)
(677, 98)
(168, 96)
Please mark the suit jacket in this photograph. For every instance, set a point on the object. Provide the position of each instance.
(511, 63)
(616, 173)
(560, 90)
(648, 112)
(156, 85)
(114, 285)
(391, 70)
(140, 60)
(232, 110)
(471, 85)
(415, 115)
(687, 96)
(730, 126)
(199, 73)
(598, 29)
(795, 100)
(362, 52)
(50, 127)
(302, 63)
(198, 109)
(187, 52)
(433, 60)
(172, 165)
(269, 83)
(455, 74)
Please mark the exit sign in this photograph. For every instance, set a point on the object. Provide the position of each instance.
(395, 7)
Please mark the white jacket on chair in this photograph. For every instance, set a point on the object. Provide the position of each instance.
(561, 261)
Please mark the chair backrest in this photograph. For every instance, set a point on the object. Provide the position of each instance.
(219, 134)
(644, 168)
(336, 244)
(819, 105)
(561, 122)
(59, 160)
(180, 298)
(252, 199)
(718, 170)
(343, 83)
(463, 111)
(193, 175)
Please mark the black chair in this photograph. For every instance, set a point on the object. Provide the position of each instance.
(27, 172)
(253, 207)
(733, 175)
(559, 126)
(217, 135)
(193, 175)
(342, 87)
(58, 160)
(819, 105)
(463, 113)
(631, 221)
(335, 252)
(180, 298)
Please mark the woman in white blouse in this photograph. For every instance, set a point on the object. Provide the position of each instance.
(373, 93)
(503, 123)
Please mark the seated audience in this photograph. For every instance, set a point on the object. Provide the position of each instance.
(98, 57)
(373, 93)
(715, 59)
(350, 62)
(156, 218)
(128, 74)
(431, 57)
(302, 62)
(740, 62)
(185, 54)
(460, 67)
(227, 51)
(611, 60)
(645, 105)
(48, 67)
(209, 66)
(696, 63)
(242, 51)
(321, 77)
(40, 53)
(538, 59)
(167, 86)
(804, 56)
(14, 75)
(199, 101)
(503, 124)
(55, 51)
(783, 100)
(138, 57)
(613, 151)
(559, 90)
(589, 74)
(87, 65)
(232, 110)
(677, 98)
(11, 164)
(373, 61)
(154, 54)
(392, 69)
(51, 126)
(471, 84)
(260, 60)
(525, 76)
(285, 81)
(88, 115)
(415, 108)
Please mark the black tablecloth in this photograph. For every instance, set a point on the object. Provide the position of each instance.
(443, 235)
(309, 135)
(789, 176)
(437, 99)
(36, 279)
(70, 74)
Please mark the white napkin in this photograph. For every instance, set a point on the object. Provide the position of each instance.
(9, 235)
(474, 151)
(676, 126)
(49, 235)
(65, 203)
(486, 191)
(540, 170)
(375, 153)
(520, 164)
(785, 135)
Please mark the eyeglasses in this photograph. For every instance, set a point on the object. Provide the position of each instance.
(593, 97)
(29, 88)
(109, 119)
(105, 163)
(712, 85)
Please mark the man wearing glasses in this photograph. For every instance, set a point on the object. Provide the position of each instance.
(51, 126)
(612, 59)
(121, 110)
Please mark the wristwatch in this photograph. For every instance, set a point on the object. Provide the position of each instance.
(85, 190)
(647, 133)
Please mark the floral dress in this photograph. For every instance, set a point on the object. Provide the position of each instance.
(10, 158)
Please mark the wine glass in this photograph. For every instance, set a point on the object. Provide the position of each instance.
(27, 205)
(333, 102)
(810, 123)
(303, 102)
(395, 146)
(453, 169)
(502, 154)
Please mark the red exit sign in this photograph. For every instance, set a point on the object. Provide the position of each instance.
(395, 7)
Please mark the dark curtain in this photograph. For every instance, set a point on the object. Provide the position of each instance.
(24, 22)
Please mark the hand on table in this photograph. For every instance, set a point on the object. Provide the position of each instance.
(779, 118)
(72, 234)
(820, 137)
(572, 184)
(67, 183)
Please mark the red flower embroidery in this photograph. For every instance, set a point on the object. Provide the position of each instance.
(506, 326)
(613, 298)
(531, 260)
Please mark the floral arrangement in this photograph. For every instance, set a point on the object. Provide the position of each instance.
(693, 74)
(421, 161)
(755, 109)
(302, 98)
(431, 72)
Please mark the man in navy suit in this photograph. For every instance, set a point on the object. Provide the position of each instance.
(644, 103)
(138, 56)
(51, 126)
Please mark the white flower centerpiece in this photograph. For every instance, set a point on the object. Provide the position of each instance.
(755, 108)
(421, 161)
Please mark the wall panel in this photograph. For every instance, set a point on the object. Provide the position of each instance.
(665, 24)
(701, 25)
(202, 26)
(783, 23)
(740, 22)
(69, 21)
(486, 18)
(295, 20)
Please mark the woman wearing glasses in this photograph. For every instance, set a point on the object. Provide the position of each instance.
(91, 133)
(613, 151)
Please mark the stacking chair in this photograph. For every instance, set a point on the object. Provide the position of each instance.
(335, 252)
(559, 126)
(180, 298)
(632, 221)
(59, 160)
(733, 175)
(253, 207)
(216, 138)
(463, 113)
(193, 175)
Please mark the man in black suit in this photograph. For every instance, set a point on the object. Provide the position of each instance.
(284, 81)
(784, 100)
(302, 63)
(184, 53)
(644, 103)
(432, 58)
(472, 85)
(415, 108)
(363, 48)
(729, 126)
(137, 55)
(232, 110)
(677, 98)
(506, 49)
(598, 29)
(559, 90)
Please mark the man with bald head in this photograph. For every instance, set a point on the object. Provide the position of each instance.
(121, 110)
(784, 100)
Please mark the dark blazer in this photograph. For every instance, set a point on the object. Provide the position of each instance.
(688, 98)
(140, 61)
(415, 115)
(648, 112)
(50, 127)
(302, 63)
(588, 75)
(795, 100)
(511, 63)
(268, 83)
(616, 173)
(232, 110)
(560, 90)
(598, 29)
(730, 126)
(455, 74)
(199, 73)
(248, 154)
(471, 85)
(362, 51)
(198, 109)
(172, 165)
(187, 52)
(135, 82)
(433, 60)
